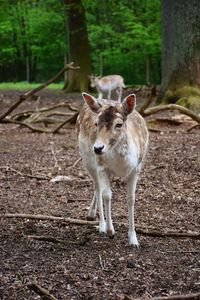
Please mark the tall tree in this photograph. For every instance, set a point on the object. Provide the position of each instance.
(181, 49)
(78, 46)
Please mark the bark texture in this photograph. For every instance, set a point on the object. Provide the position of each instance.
(181, 49)
(78, 46)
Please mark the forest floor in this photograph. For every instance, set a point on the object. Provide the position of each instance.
(85, 265)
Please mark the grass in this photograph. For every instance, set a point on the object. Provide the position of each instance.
(23, 85)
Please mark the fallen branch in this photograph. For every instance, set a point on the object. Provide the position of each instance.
(171, 297)
(51, 218)
(193, 127)
(156, 109)
(144, 230)
(71, 120)
(42, 292)
(32, 128)
(28, 113)
(39, 177)
(25, 96)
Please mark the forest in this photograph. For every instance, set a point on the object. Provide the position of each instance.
(99, 101)
(123, 45)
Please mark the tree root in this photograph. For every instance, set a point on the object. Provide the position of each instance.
(144, 230)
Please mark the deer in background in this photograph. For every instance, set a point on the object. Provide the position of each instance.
(108, 84)
(113, 140)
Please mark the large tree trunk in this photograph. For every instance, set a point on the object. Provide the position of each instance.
(181, 50)
(78, 47)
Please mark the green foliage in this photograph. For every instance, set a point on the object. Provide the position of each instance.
(33, 38)
(32, 35)
(27, 86)
(125, 33)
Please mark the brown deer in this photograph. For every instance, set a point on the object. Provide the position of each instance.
(108, 84)
(113, 140)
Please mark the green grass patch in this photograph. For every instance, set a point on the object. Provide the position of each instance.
(23, 85)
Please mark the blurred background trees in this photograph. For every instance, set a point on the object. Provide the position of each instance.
(181, 53)
(124, 38)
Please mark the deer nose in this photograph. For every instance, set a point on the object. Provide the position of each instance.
(98, 149)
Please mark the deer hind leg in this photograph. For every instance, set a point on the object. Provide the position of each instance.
(132, 181)
(107, 194)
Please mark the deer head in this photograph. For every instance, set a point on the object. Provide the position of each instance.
(110, 121)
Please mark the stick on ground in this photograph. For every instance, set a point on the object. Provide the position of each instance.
(42, 292)
(144, 230)
(175, 297)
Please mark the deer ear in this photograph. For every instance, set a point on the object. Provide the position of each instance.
(93, 104)
(129, 104)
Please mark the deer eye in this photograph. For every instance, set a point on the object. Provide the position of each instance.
(118, 125)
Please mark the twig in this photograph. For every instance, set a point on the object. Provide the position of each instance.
(37, 89)
(100, 262)
(55, 158)
(75, 163)
(42, 292)
(156, 109)
(154, 129)
(45, 177)
(172, 297)
(144, 230)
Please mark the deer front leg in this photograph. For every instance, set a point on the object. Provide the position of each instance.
(100, 96)
(131, 185)
(119, 92)
(93, 209)
(104, 194)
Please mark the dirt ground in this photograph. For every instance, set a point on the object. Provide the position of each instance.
(86, 265)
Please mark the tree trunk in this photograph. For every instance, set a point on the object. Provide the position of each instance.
(78, 47)
(181, 50)
(148, 69)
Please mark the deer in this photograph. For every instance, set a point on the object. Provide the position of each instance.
(108, 84)
(112, 140)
